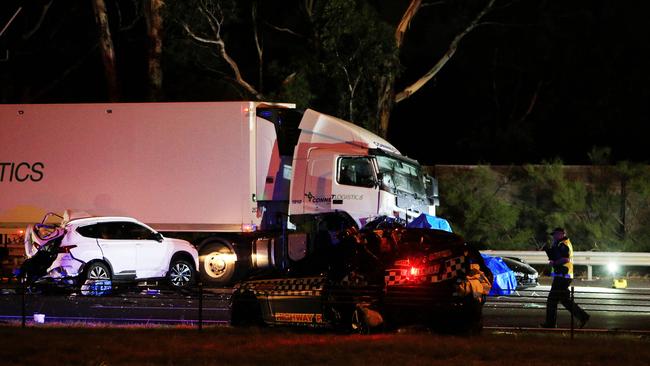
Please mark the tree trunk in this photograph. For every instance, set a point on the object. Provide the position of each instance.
(386, 93)
(154, 31)
(385, 103)
(107, 50)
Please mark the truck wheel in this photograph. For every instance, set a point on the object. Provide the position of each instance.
(181, 274)
(217, 264)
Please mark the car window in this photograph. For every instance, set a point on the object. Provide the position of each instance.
(89, 231)
(122, 230)
(133, 231)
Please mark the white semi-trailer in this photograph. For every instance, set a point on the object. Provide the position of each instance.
(222, 174)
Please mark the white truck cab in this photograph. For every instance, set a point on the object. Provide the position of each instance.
(340, 166)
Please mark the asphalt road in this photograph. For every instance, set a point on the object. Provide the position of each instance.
(610, 309)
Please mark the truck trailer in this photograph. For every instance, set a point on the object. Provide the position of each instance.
(225, 176)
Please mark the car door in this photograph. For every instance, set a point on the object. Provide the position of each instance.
(117, 249)
(151, 254)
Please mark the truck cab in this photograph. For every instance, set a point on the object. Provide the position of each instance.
(338, 166)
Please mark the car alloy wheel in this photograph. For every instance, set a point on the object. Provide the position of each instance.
(98, 272)
(181, 274)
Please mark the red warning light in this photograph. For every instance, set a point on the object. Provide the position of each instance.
(415, 271)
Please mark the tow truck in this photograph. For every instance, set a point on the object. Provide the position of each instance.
(380, 277)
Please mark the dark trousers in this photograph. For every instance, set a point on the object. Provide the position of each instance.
(560, 294)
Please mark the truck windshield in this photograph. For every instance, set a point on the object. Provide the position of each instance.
(398, 175)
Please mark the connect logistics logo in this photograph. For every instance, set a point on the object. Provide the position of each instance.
(21, 172)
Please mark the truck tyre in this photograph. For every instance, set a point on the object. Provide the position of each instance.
(181, 274)
(217, 264)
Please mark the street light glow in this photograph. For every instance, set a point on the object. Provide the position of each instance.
(612, 267)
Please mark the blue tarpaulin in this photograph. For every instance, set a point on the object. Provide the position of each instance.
(505, 282)
(425, 221)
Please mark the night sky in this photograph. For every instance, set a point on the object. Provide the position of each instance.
(540, 80)
(585, 63)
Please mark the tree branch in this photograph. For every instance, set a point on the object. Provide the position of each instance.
(403, 25)
(215, 24)
(38, 24)
(284, 30)
(20, 8)
(258, 47)
(409, 90)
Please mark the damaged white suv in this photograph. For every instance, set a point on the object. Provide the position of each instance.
(87, 250)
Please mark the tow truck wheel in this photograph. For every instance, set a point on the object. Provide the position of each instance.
(217, 264)
(359, 322)
(245, 310)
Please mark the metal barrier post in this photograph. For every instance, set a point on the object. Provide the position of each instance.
(573, 309)
(200, 306)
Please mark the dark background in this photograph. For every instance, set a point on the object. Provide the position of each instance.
(586, 61)
(540, 80)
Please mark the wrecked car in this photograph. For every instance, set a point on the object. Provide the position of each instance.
(90, 253)
(331, 274)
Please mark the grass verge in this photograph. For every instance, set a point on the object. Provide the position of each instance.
(137, 345)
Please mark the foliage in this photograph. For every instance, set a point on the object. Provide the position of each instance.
(328, 55)
(604, 208)
(355, 48)
(474, 202)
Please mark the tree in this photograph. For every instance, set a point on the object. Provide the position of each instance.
(549, 200)
(633, 232)
(387, 95)
(107, 49)
(356, 50)
(154, 19)
(476, 203)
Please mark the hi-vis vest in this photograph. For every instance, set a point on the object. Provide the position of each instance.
(563, 270)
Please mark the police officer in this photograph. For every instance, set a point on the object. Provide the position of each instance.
(560, 257)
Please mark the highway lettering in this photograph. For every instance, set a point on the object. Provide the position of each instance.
(298, 318)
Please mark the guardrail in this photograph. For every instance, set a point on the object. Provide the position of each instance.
(588, 259)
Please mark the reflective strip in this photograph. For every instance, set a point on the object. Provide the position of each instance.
(453, 267)
(311, 286)
(395, 277)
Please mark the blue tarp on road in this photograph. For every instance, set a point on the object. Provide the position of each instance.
(425, 221)
(505, 282)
